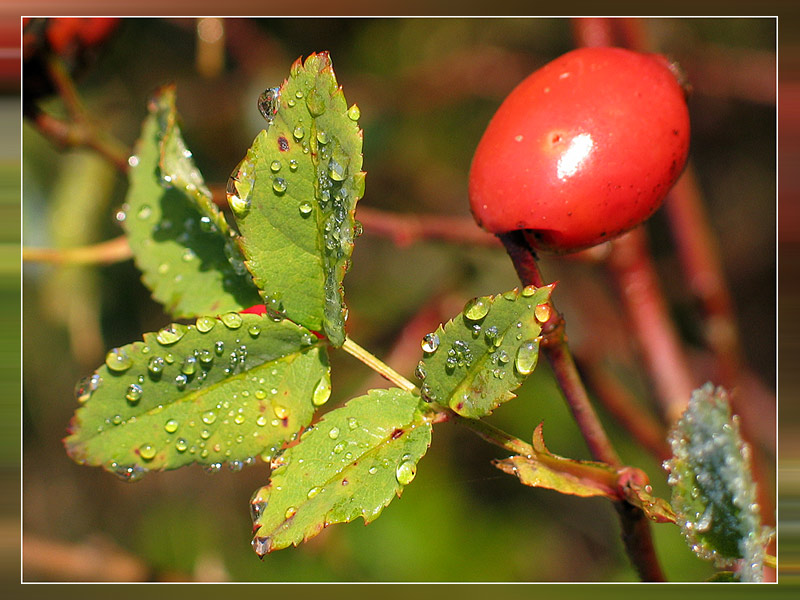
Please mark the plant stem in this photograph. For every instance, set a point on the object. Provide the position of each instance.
(635, 526)
(111, 251)
(558, 354)
(377, 365)
(493, 435)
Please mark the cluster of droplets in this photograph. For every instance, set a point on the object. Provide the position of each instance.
(713, 493)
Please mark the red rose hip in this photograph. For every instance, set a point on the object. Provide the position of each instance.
(582, 150)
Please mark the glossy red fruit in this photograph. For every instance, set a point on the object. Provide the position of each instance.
(582, 150)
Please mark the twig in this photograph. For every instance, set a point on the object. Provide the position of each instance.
(632, 268)
(556, 349)
(108, 252)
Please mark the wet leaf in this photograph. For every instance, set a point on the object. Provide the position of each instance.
(221, 390)
(475, 361)
(546, 470)
(294, 198)
(713, 493)
(180, 241)
(351, 464)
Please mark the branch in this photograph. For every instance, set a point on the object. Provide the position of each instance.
(108, 252)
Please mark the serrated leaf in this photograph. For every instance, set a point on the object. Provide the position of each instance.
(546, 470)
(351, 464)
(221, 390)
(475, 361)
(294, 198)
(180, 241)
(713, 493)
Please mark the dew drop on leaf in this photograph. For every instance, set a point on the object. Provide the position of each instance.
(254, 330)
(189, 365)
(477, 308)
(275, 166)
(406, 471)
(268, 103)
(279, 185)
(147, 451)
(430, 342)
(232, 320)
(118, 360)
(170, 334)
(171, 426)
(208, 417)
(181, 445)
(542, 312)
(322, 391)
(299, 132)
(280, 411)
(305, 208)
(354, 113)
(134, 393)
(155, 366)
(527, 356)
(333, 433)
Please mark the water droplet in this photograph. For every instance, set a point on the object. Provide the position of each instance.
(322, 137)
(406, 471)
(313, 492)
(188, 255)
(206, 225)
(322, 391)
(305, 208)
(144, 212)
(528, 291)
(254, 330)
(118, 360)
(170, 334)
(134, 393)
(219, 347)
(420, 370)
(290, 512)
(208, 417)
(333, 433)
(171, 426)
(352, 423)
(293, 165)
(181, 445)
(232, 320)
(85, 387)
(477, 308)
(354, 113)
(239, 419)
(120, 216)
(169, 358)
(275, 166)
(268, 104)
(147, 451)
(280, 411)
(315, 103)
(542, 312)
(279, 185)
(336, 171)
(205, 324)
(163, 268)
(155, 366)
(299, 132)
(261, 421)
(527, 356)
(133, 161)
(181, 381)
(430, 342)
(189, 365)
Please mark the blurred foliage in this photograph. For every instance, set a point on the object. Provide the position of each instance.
(426, 89)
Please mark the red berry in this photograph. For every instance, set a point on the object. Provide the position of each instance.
(582, 150)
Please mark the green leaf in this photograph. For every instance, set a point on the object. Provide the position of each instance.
(713, 493)
(180, 241)
(294, 198)
(221, 390)
(351, 464)
(475, 361)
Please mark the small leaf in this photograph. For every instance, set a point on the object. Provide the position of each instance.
(713, 493)
(351, 464)
(221, 390)
(294, 198)
(475, 361)
(180, 241)
(546, 470)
